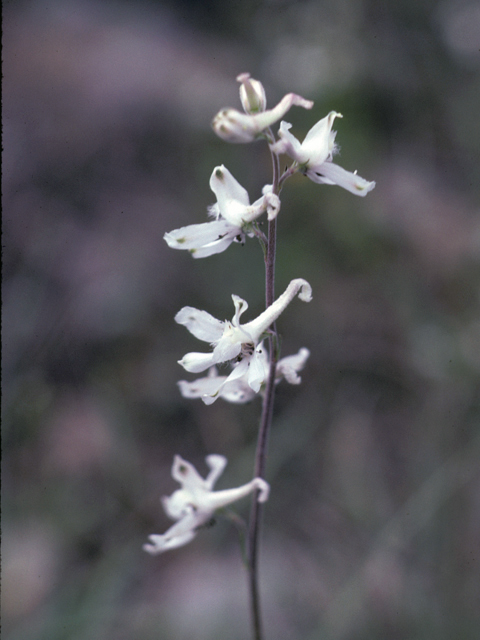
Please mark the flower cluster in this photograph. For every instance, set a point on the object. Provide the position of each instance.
(237, 345)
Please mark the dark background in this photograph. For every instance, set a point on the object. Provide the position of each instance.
(373, 526)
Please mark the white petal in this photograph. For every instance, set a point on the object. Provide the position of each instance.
(241, 306)
(160, 543)
(197, 362)
(200, 323)
(288, 144)
(226, 349)
(219, 245)
(185, 473)
(195, 236)
(240, 370)
(209, 399)
(201, 386)
(217, 464)
(331, 173)
(317, 145)
(237, 392)
(227, 189)
(257, 373)
(177, 505)
(179, 534)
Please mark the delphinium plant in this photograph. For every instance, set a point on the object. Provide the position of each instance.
(250, 349)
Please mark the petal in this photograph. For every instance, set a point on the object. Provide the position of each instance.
(226, 349)
(330, 173)
(288, 144)
(179, 533)
(227, 189)
(241, 306)
(178, 504)
(197, 362)
(218, 246)
(318, 142)
(159, 543)
(239, 370)
(185, 473)
(257, 373)
(201, 387)
(217, 464)
(200, 323)
(195, 236)
(237, 392)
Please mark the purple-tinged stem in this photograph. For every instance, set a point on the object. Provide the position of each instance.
(265, 422)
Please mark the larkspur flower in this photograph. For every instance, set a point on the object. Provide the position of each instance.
(233, 215)
(237, 391)
(314, 156)
(195, 503)
(236, 341)
(233, 126)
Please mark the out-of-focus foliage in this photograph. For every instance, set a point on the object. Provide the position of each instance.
(373, 528)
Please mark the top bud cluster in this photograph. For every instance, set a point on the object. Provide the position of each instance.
(232, 215)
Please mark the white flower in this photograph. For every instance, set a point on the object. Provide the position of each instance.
(194, 504)
(315, 153)
(233, 126)
(233, 213)
(232, 340)
(238, 391)
(289, 367)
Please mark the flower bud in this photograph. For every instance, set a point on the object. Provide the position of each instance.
(252, 94)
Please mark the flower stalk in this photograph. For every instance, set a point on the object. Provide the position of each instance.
(240, 345)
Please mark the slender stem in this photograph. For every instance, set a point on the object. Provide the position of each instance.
(265, 423)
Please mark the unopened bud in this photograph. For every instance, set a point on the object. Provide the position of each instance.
(252, 94)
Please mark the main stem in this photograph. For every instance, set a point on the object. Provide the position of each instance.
(265, 423)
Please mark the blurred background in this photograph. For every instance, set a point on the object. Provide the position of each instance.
(373, 526)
